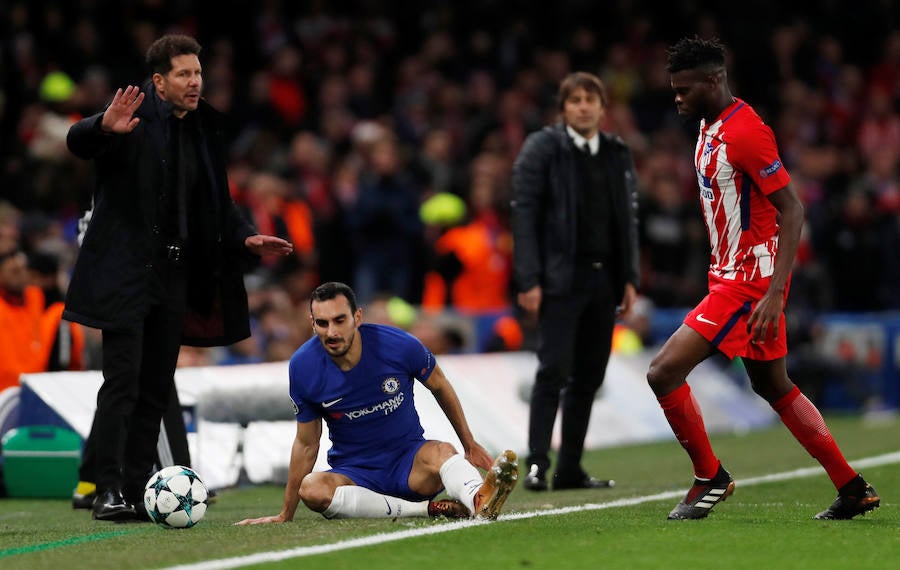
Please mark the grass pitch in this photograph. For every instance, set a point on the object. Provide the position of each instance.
(764, 524)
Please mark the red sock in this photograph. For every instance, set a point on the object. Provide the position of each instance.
(806, 423)
(684, 416)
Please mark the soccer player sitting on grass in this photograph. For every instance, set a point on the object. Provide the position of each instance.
(359, 378)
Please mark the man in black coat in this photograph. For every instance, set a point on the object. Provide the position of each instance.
(162, 260)
(575, 261)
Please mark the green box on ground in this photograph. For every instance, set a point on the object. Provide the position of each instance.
(41, 461)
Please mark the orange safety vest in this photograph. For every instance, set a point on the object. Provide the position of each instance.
(483, 283)
(21, 345)
(51, 321)
(299, 221)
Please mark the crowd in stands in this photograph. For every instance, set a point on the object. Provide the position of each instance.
(379, 139)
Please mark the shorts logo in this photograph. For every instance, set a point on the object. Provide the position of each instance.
(771, 169)
(390, 385)
(296, 407)
(703, 319)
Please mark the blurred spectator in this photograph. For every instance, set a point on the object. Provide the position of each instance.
(314, 85)
(434, 167)
(384, 227)
(63, 341)
(22, 343)
(441, 334)
(470, 262)
(192, 356)
(672, 240)
(855, 242)
(880, 126)
(42, 129)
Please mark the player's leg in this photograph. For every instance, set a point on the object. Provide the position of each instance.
(437, 466)
(337, 496)
(712, 483)
(770, 380)
(684, 350)
(462, 481)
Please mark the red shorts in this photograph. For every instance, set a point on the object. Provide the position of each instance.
(721, 318)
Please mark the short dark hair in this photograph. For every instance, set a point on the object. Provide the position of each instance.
(583, 80)
(160, 54)
(696, 53)
(330, 290)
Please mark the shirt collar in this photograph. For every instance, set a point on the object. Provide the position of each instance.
(593, 142)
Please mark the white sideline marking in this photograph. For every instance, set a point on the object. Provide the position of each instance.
(261, 557)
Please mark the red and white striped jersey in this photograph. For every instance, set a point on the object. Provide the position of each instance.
(737, 167)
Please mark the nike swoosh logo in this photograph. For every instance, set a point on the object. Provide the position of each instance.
(389, 511)
(703, 319)
(331, 403)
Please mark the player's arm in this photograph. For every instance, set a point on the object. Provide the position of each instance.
(304, 452)
(767, 312)
(446, 397)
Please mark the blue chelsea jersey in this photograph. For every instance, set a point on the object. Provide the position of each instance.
(369, 409)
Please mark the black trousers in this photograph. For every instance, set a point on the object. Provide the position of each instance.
(138, 378)
(178, 449)
(573, 351)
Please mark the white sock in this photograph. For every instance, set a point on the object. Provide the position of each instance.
(461, 480)
(352, 501)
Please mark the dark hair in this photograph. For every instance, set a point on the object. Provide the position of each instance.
(330, 290)
(160, 54)
(583, 80)
(696, 53)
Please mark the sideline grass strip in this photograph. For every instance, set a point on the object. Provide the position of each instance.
(265, 557)
(57, 543)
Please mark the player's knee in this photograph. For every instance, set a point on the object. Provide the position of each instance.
(315, 496)
(445, 451)
(660, 376)
(771, 390)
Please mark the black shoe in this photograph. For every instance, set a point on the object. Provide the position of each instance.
(848, 505)
(536, 480)
(579, 480)
(703, 496)
(110, 505)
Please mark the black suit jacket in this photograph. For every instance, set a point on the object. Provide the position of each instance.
(109, 288)
(545, 195)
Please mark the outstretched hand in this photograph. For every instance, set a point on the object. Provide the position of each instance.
(119, 116)
(261, 520)
(268, 245)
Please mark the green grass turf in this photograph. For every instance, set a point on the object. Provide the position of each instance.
(763, 525)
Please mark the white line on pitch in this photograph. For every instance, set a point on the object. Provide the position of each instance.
(262, 557)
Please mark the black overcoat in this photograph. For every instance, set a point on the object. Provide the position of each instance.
(110, 283)
(545, 188)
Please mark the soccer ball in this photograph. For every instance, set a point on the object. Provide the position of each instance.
(175, 497)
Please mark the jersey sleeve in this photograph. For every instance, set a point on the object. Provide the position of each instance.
(755, 153)
(304, 409)
(418, 359)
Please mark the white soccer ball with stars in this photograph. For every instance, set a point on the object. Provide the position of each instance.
(175, 497)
